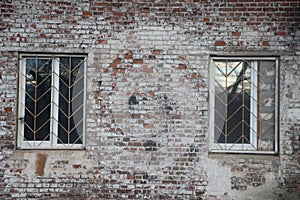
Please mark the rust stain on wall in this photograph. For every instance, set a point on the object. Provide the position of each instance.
(40, 164)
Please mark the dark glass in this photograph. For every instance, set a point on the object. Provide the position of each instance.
(71, 94)
(37, 99)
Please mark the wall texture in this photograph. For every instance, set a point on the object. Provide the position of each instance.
(157, 54)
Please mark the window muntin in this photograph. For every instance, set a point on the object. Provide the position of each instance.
(51, 101)
(243, 104)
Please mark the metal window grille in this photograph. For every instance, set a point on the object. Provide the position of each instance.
(243, 104)
(51, 101)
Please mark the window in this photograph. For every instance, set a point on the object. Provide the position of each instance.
(51, 101)
(243, 104)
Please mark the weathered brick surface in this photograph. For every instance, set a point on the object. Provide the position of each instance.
(147, 98)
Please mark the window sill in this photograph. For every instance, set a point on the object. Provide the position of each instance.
(243, 152)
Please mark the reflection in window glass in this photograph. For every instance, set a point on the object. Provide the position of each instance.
(232, 102)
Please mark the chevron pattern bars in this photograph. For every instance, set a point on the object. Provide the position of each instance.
(37, 99)
(244, 104)
(71, 84)
(52, 96)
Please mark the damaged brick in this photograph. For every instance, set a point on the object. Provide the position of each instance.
(150, 145)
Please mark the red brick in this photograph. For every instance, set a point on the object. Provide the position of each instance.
(220, 43)
(282, 33)
(160, 52)
(156, 52)
(115, 63)
(148, 125)
(102, 41)
(76, 166)
(236, 33)
(265, 43)
(138, 61)
(8, 109)
(128, 55)
(181, 66)
(87, 13)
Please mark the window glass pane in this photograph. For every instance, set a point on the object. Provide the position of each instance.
(71, 99)
(232, 102)
(267, 94)
(37, 99)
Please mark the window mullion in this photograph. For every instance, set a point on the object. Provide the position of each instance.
(253, 103)
(21, 109)
(212, 94)
(277, 78)
(55, 101)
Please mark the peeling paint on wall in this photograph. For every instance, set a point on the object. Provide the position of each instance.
(147, 98)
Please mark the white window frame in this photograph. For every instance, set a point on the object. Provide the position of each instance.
(52, 143)
(242, 148)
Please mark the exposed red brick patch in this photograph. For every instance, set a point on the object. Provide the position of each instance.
(102, 41)
(151, 93)
(8, 109)
(115, 63)
(128, 55)
(14, 190)
(40, 164)
(282, 33)
(118, 14)
(236, 33)
(138, 61)
(76, 166)
(105, 70)
(265, 43)
(220, 43)
(67, 31)
(148, 125)
(86, 13)
(130, 177)
(156, 52)
(181, 66)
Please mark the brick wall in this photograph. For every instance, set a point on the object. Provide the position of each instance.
(147, 98)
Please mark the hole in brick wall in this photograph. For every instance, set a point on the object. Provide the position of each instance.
(133, 100)
(193, 150)
(141, 177)
(167, 104)
(150, 145)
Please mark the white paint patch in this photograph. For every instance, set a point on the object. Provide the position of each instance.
(218, 178)
(293, 113)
